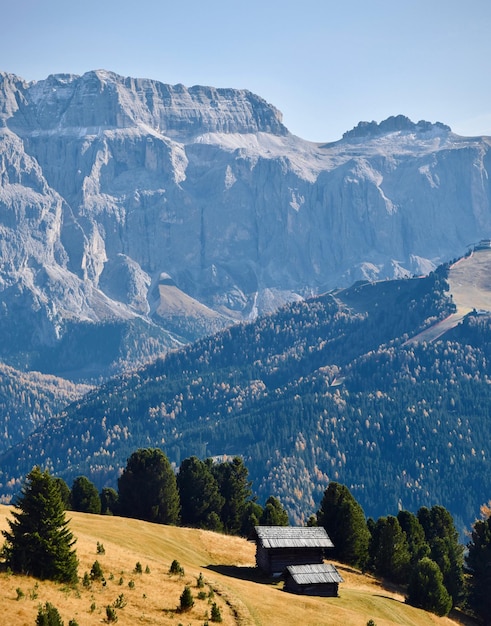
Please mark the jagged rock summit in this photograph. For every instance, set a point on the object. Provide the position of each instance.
(108, 183)
(394, 124)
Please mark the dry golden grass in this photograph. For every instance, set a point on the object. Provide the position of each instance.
(244, 596)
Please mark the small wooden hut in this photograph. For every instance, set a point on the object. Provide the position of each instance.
(319, 579)
(280, 546)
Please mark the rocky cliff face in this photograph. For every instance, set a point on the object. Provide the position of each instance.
(113, 190)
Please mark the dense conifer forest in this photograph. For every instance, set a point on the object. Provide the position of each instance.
(323, 390)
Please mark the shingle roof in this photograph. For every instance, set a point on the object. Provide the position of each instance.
(293, 537)
(314, 574)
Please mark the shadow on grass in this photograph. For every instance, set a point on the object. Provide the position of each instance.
(254, 574)
(381, 583)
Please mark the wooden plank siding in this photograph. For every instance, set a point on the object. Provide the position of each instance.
(280, 546)
(314, 579)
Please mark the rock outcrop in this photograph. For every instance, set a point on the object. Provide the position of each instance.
(108, 183)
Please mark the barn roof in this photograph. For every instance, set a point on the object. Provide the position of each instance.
(293, 537)
(314, 574)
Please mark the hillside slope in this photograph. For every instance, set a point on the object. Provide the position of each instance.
(470, 289)
(326, 389)
(244, 596)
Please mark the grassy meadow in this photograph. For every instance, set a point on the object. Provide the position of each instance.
(227, 564)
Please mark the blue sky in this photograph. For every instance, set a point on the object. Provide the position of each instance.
(326, 65)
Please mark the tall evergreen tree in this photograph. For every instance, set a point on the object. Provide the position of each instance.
(416, 540)
(235, 487)
(148, 488)
(201, 501)
(109, 501)
(274, 514)
(39, 542)
(445, 548)
(251, 518)
(85, 497)
(478, 561)
(64, 492)
(426, 589)
(344, 520)
(389, 554)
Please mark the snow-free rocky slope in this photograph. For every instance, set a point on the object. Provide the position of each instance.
(167, 212)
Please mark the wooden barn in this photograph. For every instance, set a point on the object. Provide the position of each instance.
(319, 579)
(280, 546)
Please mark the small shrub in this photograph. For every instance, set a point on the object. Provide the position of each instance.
(147, 570)
(201, 595)
(131, 584)
(176, 568)
(73, 622)
(216, 615)
(120, 603)
(111, 615)
(20, 593)
(371, 623)
(86, 580)
(121, 581)
(100, 548)
(33, 593)
(48, 616)
(93, 607)
(96, 572)
(200, 583)
(138, 568)
(186, 600)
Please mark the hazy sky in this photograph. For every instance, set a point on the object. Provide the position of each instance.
(325, 64)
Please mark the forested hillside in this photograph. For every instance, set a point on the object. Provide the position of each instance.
(323, 389)
(28, 399)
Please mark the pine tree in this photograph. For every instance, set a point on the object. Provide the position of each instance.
(85, 497)
(389, 554)
(148, 488)
(445, 548)
(64, 492)
(201, 502)
(273, 513)
(478, 562)
(48, 615)
(235, 487)
(186, 600)
(426, 589)
(250, 518)
(216, 615)
(345, 523)
(39, 542)
(109, 501)
(415, 534)
(96, 572)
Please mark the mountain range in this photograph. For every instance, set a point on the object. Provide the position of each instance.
(170, 212)
(298, 295)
